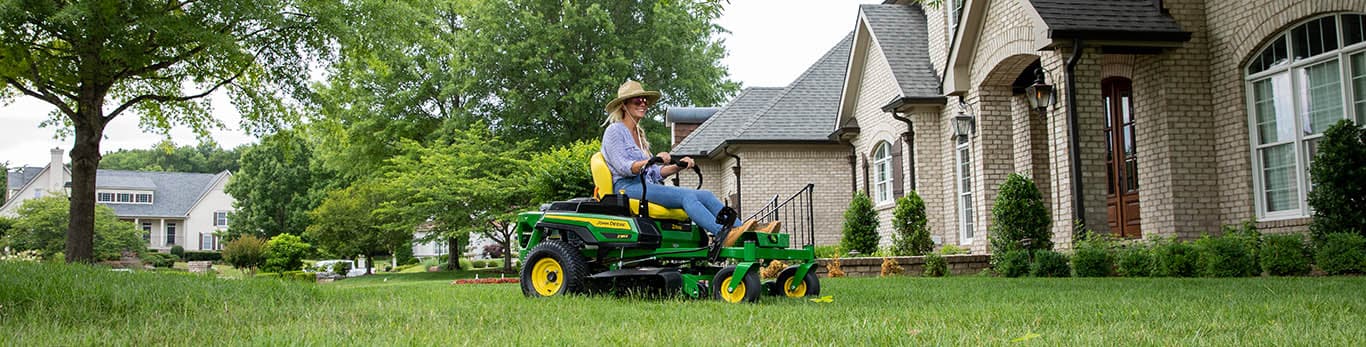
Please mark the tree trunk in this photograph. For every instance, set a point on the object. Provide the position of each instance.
(85, 160)
(369, 263)
(453, 245)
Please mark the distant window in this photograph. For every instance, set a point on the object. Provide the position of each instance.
(124, 197)
(882, 171)
(964, 183)
(104, 197)
(955, 14)
(206, 241)
(170, 234)
(143, 198)
(220, 218)
(38, 193)
(147, 232)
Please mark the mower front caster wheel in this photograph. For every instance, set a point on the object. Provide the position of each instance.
(748, 290)
(807, 286)
(553, 269)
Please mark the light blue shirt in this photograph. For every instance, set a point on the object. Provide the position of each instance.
(619, 149)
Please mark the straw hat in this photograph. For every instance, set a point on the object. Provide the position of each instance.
(629, 90)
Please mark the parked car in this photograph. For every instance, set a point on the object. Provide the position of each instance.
(326, 266)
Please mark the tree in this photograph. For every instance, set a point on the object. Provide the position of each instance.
(273, 192)
(544, 68)
(1020, 219)
(860, 225)
(561, 173)
(157, 57)
(1339, 195)
(42, 226)
(912, 235)
(206, 157)
(285, 252)
(246, 252)
(345, 224)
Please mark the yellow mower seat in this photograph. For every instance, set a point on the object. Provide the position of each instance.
(602, 180)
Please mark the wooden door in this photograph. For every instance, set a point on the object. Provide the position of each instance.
(1121, 159)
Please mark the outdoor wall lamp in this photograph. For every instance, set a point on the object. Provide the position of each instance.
(67, 187)
(965, 123)
(1041, 95)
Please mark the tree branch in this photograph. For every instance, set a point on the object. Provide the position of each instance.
(47, 97)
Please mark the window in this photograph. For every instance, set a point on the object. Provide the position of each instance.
(964, 183)
(207, 242)
(170, 234)
(147, 232)
(104, 197)
(220, 218)
(123, 197)
(955, 14)
(882, 172)
(38, 193)
(143, 198)
(1303, 81)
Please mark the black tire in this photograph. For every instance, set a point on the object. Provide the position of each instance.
(552, 269)
(749, 289)
(811, 286)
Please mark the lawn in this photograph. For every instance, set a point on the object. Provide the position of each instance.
(46, 304)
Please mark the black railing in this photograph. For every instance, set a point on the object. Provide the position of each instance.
(794, 212)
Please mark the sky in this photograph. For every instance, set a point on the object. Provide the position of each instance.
(770, 43)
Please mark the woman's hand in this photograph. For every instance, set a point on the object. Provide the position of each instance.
(665, 156)
(688, 161)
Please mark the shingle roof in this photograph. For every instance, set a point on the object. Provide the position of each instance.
(17, 177)
(806, 107)
(727, 122)
(900, 31)
(1135, 20)
(694, 115)
(175, 192)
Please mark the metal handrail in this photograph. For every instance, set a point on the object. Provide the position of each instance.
(795, 212)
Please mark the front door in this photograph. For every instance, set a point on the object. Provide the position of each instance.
(1121, 158)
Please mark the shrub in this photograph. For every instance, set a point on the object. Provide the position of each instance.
(245, 253)
(178, 252)
(826, 251)
(1134, 260)
(1021, 219)
(1092, 258)
(561, 173)
(952, 250)
(834, 267)
(1339, 192)
(912, 235)
(285, 252)
(465, 263)
(158, 259)
(42, 222)
(1224, 256)
(1285, 255)
(936, 265)
(202, 256)
(341, 268)
(1014, 263)
(1341, 253)
(1049, 264)
(771, 271)
(1173, 258)
(860, 225)
(890, 267)
(301, 276)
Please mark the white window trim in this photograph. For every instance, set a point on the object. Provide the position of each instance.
(225, 218)
(963, 219)
(1302, 182)
(882, 167)
(133, 196)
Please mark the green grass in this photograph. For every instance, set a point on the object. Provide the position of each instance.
(52, 304)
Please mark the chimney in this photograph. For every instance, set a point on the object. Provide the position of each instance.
(56, 178)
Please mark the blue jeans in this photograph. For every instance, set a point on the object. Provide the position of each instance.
(700, 205)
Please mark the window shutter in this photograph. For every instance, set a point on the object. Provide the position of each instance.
(898, 187)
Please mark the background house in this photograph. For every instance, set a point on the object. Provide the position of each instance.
(172, 208)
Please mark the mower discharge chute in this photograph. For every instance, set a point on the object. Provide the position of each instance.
(610, 243)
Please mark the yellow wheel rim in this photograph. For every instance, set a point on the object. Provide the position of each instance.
(547, 277)
(736, 296)
(794, 293)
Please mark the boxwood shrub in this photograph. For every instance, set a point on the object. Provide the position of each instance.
(1013, 263)
(158, 259)
(1134, 260)
(1049, 264)
(936, 265)
(1225, 256)
(1092, 259)
(1285, 255)
(1341, 253)
(1173, 258)
(202, 256)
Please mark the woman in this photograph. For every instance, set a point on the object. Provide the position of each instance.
(626, 151)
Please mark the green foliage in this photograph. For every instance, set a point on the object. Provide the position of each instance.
(202, 256)
(273, 191)
(178, 251)
(6, 224)
(911, 226)
(561, 173)
(465, 263)
(1134, 260)
(1285, 255)
(341, 268)
(1225, 256)
(1173, 258)
(1020, 219)
(860, 225)
(1341, 253)
(1050, 264)
(1339, 191)
(42, 224)
(345, 224)
(936, 265)
(246, 252)
(285, 252)
(1014, 263)
(156, 259)
(1092, 258)
(207, 157)
(829, 251)
(952, 249)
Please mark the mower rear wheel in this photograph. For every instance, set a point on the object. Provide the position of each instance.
(809, 285)
(553, 268)
(748, 290)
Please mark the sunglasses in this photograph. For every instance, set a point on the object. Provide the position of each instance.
(641, 101)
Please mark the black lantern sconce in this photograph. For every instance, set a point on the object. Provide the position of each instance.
(1041, 95)
(965, 123)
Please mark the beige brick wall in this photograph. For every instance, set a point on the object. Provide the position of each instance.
(876, 88)
(782, 170)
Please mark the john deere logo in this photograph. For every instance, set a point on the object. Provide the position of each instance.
(601, 223)
(772, 238)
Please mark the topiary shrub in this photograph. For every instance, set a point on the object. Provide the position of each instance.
(860, 226)
(1014, 263)
(1341, 253)
(1339, 190)
(1092, 258)
(1049, 264)
(285, 252)
(936, 265)
(1173, 258)
(912, 235)
(1285, 255)
(178, 252)
(1134, 260)
(1224, 256)
(1020, 218)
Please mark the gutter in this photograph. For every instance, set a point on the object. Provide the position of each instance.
(1073, 144)
(909, 138)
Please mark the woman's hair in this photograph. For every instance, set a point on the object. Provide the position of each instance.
(618, 115)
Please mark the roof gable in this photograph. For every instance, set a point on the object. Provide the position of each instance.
(174, 192)
(902, 34)
(807, 106)
(727, 122)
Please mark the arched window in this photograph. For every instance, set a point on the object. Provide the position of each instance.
(1303, 81)
(882, 172)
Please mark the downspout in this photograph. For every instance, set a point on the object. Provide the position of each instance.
(853, 169)
(736, 170)
(1074, 143)
(909, 138)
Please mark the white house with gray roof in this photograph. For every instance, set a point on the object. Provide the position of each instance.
(172, 208)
